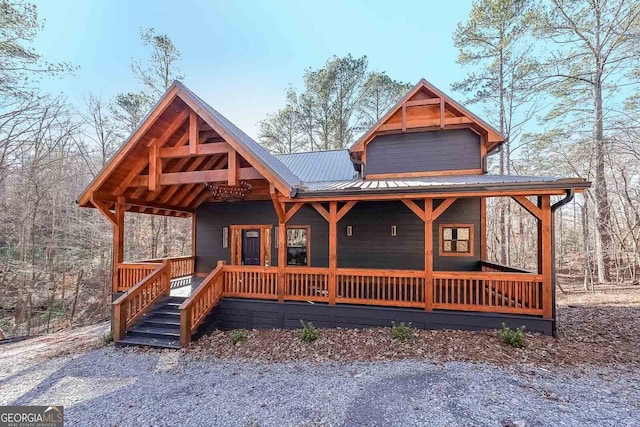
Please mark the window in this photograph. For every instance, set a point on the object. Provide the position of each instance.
(298, 245)
(456, 240)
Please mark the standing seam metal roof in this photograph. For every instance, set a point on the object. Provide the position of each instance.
(320, 166)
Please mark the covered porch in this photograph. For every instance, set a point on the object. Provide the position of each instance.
(486, 288)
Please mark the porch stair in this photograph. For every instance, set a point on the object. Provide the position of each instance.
(159, 327)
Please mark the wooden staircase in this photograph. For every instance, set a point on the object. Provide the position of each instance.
(159, 326)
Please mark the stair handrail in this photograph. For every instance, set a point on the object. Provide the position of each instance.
(203, 299)
(144, 294)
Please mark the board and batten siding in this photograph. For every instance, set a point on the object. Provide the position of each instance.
(456, 149)
(370, 246)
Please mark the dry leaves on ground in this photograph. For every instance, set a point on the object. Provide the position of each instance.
(605, 333)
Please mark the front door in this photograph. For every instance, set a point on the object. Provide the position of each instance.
(251, 247)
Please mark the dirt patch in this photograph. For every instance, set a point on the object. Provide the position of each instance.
(595, 330)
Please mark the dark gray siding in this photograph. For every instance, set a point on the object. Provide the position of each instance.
(249, 314)
(370, 246)
(212, 217)
(423, 152)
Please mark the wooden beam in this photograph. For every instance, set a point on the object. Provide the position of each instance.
(202, 163)
(546, 256)
(193, 234)
(118, 240)
(438, 195)
(232, 167)
(144, 161)
(193, 133)
(129, 145)
(428, 254)
(422, 102)
(199, 177)
(277, 205)
(292, 211)
(442, 112)
(321, 210)
(333, 249)
(282, 258)
(528, 206)
(231, 139)
(345, 209)
(414, 208)
(404, 117)
(203, 150)
(155, 166)
(483, 228)
(191, 195)
(443, 207)
(103, 209)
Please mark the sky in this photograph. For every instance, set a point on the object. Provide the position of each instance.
(240, 55)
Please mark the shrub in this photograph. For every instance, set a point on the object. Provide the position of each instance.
(308, 333)
(237, 337)
(513, 337)
(402, 332)
(107, 338)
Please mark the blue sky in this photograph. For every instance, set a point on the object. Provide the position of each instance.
(240, 55)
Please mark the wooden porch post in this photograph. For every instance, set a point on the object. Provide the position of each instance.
(282, 258)
(193, 235)
(333, 246)
(545, 255)
(428, 254)
(118, 241)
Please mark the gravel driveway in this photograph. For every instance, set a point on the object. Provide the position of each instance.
(111, 386)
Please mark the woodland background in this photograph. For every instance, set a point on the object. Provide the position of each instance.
(567, 69)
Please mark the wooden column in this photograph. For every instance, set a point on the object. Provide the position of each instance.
(282, 258)
(333, 250)
(428, 254)
(545, 255)
(118, 240)
(483, 228)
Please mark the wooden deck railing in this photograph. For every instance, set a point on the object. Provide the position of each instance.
(194, 310)
(130, 273)
(402, 288)
(131, 306)
(519, 293)
(306, 284)
(500, 268)
(249, 281)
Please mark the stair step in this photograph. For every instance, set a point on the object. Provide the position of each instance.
(148, 342)
(160, 334)
(154, 328)
(155, 322)
(161, 311)
(175, 300)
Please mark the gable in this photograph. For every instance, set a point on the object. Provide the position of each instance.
(425, 108)
(179, 147)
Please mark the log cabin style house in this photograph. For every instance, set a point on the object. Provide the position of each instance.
(391, 230)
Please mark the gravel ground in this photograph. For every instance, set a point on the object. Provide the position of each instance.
(109, 386)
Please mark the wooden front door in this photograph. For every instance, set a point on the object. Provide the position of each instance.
(251, 247)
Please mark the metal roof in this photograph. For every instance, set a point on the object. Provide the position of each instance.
(320, 166)
(439, 184)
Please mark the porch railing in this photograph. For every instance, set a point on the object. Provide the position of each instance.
(130, 273)
(131, 306)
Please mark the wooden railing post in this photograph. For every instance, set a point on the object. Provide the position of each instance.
(118, 241)
(428, 254)
(185, 327)
(119, 321)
